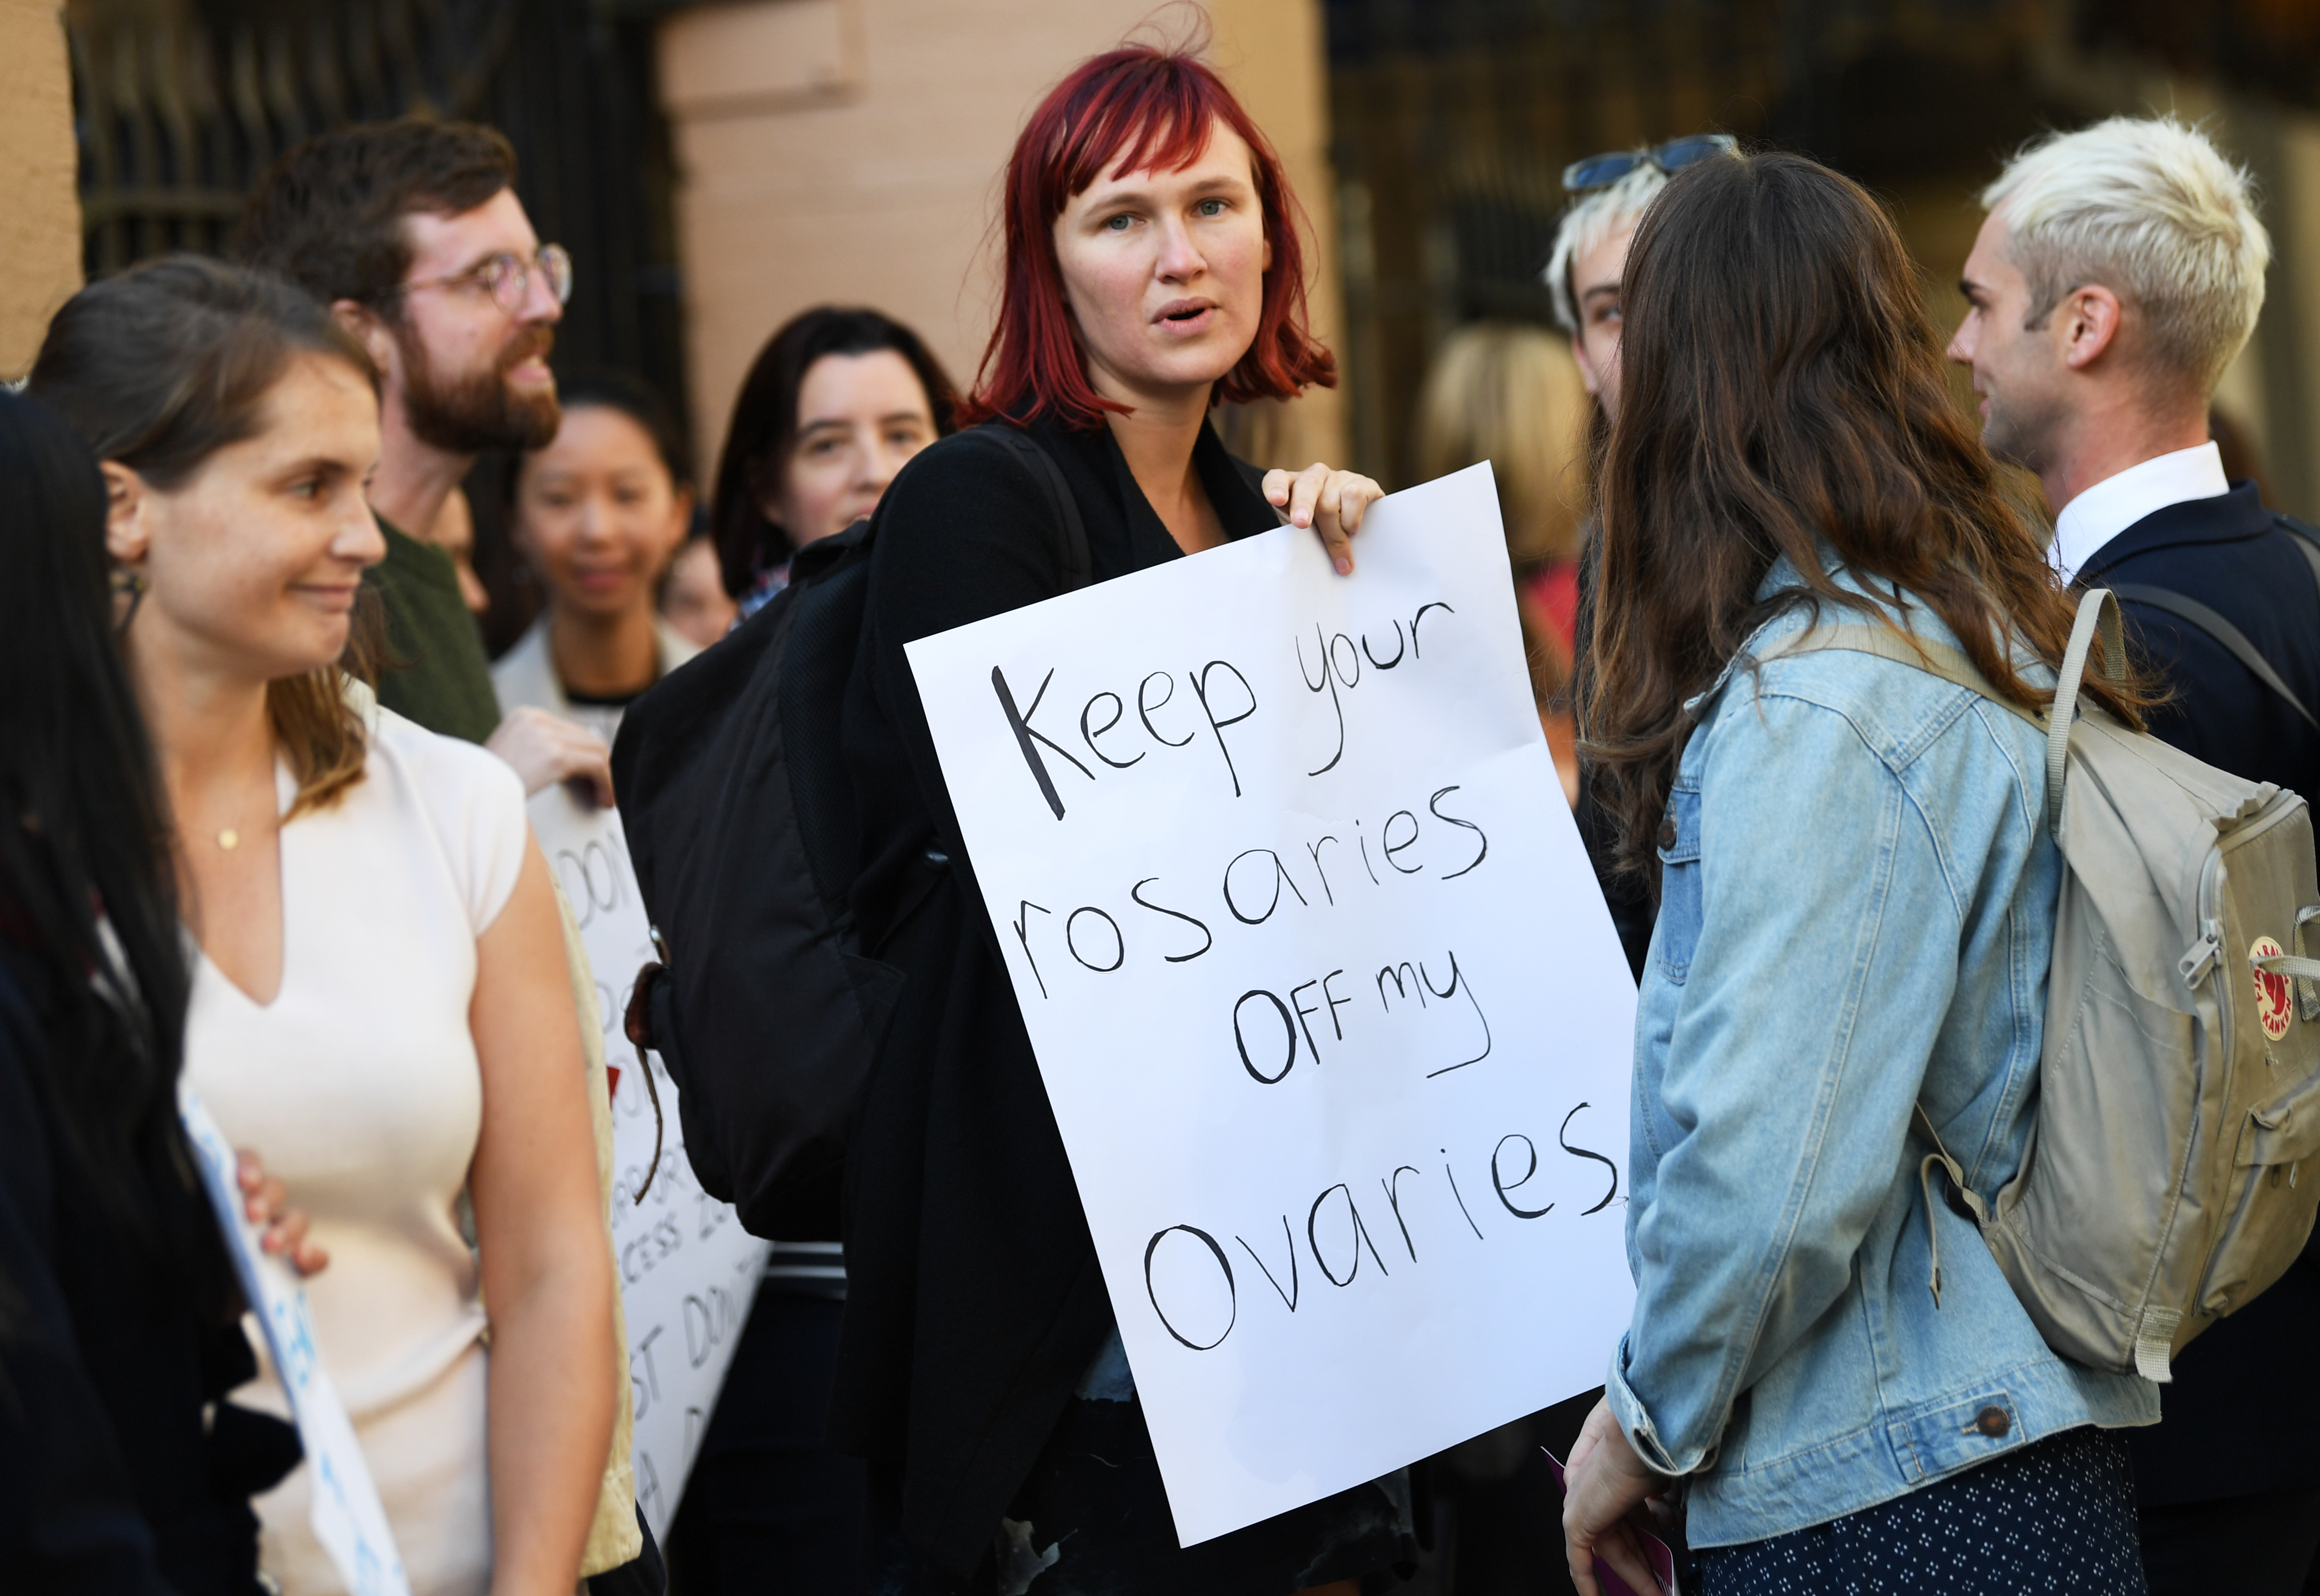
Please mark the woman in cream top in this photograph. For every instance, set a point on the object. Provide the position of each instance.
(380, 1008)
(361, 1080)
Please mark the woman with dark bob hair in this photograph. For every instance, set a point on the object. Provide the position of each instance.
(1153, 268)
(834, 405)
(1857, 908)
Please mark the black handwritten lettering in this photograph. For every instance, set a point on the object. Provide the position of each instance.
(1294, 1291)
(1581, 1152)
(1304, 1015)
(1223, 1263)
(1020, 722)
(1089, 733)
(1388, 846)
(1216, 726)
(1400, 988)
(1415, 652)
(1143, 708)
(1329, 681)
(1471, 998)
(1364, 843)
(1280, 875)
(1361, 1237)
(1118, 942)
(1393, 1200)
(1435, 803)
(1499, 1180)
(1460, 1196)
(1399, 648)
(1315, 850)
(1023, 935)
(1335, 1002)
(1287, 1035)
(1353, 679)
(1208, 939)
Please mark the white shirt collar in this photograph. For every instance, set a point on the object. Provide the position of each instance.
(2113, 504)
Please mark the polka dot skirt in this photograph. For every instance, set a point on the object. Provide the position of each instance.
(2057, 1515)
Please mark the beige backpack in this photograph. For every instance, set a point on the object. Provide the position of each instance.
(2162, 1187)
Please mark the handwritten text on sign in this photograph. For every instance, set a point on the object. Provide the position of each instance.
(688, 1270)
(1323, 991)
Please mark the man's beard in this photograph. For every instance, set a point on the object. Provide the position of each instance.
(478, 410)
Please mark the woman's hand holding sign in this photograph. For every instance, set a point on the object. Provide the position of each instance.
(1330, 501)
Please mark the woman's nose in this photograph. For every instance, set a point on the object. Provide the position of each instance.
(1180, 259)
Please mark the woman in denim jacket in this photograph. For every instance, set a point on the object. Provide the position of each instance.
(1857, 908)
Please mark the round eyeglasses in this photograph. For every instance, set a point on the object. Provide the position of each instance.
(507, 277)
(1601, 171)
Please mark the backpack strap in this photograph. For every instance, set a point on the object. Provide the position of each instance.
(2306, 540)
(1079, 566)
(2235, 641)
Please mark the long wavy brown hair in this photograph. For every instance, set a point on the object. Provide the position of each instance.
(1782, 393)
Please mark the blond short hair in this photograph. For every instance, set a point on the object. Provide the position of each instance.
(1511, 394)
(2152, 209)
(1591, 219)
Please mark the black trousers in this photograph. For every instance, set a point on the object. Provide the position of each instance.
(769, 1511)
(2250, 1546)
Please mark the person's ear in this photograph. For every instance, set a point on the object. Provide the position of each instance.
(370, 328)
(680, 520)
(128, 515)
(2085, 324)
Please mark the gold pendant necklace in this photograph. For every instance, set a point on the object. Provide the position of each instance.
(229, 839)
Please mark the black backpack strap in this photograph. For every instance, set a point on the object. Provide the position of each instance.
(2306, 539)
(1079, 566)
(2222, 631)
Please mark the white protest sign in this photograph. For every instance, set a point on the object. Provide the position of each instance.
(344, 1509)
(688, 1270)
(1322, 987)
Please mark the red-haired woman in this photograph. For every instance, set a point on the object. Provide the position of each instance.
(1153, 267)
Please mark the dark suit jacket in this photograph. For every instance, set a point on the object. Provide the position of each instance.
(2244, 1406)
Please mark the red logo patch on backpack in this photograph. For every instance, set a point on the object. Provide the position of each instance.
(2275, 1005)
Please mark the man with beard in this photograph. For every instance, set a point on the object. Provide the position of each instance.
(2119, 272)
(411, 232)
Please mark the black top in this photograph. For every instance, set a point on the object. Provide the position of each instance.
(435, 671)
(111, 1484)
(973, 1302)
(2240, 1415)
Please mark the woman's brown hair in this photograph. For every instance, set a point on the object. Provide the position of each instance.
(1781, 392)
(161, 367)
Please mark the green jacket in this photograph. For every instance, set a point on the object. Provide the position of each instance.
(435, 671)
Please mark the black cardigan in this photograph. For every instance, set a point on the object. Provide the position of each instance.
(112, 1484)
(973, 1299)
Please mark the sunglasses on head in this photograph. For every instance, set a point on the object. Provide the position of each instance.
(1601, 171)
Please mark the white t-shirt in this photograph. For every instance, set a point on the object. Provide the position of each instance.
(360, 1086)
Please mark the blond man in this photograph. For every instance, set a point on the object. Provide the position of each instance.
(2119, 272)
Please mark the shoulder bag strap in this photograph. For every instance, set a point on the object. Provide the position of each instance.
(1079, 566)
(2307, 541)
(2098, 612)
(2233, 640)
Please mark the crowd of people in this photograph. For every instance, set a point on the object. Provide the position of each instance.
(265, 835)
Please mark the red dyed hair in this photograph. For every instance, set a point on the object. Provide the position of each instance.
(1139, 108)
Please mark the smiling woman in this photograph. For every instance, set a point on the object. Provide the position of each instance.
(599, 514)
(379, 1006)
